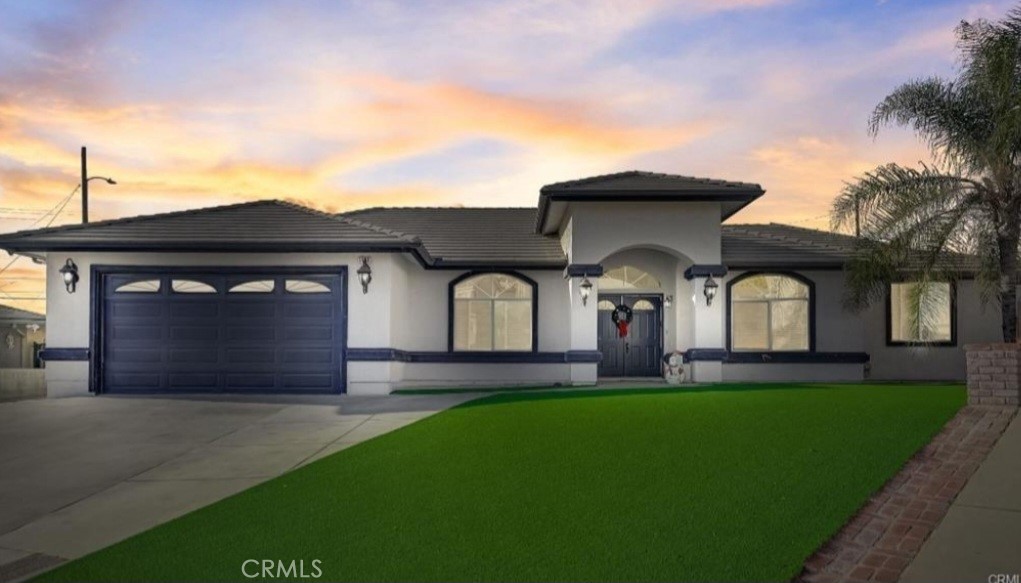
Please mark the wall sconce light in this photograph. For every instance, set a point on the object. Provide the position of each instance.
(585, 290)
(709, 290)
(668, 301)
(70, 274)
(365, 274)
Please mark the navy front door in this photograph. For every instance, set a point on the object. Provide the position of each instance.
(638, 353)
(219, 332)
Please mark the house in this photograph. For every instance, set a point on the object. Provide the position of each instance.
(600, 280)
(22, 335)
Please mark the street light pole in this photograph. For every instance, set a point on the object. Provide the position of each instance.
(85, 189)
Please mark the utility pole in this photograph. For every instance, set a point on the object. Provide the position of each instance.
(85, 189)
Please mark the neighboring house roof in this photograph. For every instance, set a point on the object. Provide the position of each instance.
(9, 314)
(638, 186)
(267, 225)
(472, 236)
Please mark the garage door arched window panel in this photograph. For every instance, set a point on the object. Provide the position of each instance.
(142, 286)
(493, 312)
(628, 277)
(305, 286)
(255, 286)
(191, 286)
(771, 312)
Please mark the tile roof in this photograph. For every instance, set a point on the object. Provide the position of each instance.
(260, 225)
(637, 180)
(639, 186)
(479, 236)
(12, 314)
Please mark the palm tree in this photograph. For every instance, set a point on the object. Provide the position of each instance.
(914, 220)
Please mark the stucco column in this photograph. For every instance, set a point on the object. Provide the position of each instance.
(584, 330)
(708, 331)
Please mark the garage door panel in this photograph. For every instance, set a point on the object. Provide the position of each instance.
(202, 310)
(135, 355)
(202, 334)
(135, 333)
(192, 356)
(139, 381)
(244, 307)
(312, 309)
(191, 381)
(309, 356)
(215, 341)
(251, 334)
(250, 355)
(136, 309)
(308, 333)
(306, 381)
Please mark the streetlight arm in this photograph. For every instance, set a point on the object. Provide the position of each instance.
(104, 178)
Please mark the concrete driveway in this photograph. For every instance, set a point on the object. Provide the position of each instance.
(79, 474)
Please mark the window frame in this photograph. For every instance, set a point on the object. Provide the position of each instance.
(811, 311)
(450, 310)
(889, 318)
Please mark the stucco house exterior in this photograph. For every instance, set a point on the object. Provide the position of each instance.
(600, 280)
(22, 334)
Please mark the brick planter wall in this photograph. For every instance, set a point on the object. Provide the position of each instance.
(994, 374)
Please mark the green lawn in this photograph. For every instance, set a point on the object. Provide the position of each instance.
(728, 483)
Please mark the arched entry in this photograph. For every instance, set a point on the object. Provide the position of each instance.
(630, 327)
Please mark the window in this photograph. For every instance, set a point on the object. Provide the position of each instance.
(605, 306)
(921, 314)
(262, 286)
(627, 277)
(147, 286)
(643, 306)
(493, 312)
(770, 313)
(304, 286)
(190, 286)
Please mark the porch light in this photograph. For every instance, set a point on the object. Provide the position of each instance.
(365, 274)
(70, 274)
(585, 290)
(709, 290)
(668, 301)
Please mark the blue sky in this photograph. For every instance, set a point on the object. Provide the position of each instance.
(342, 105)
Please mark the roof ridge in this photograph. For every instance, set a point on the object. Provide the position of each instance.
(378, 229)
(138, 218)
(757, 229)
(439, 208)
(647, 173)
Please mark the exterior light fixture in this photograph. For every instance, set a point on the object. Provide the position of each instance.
(585, 290)
(70, 274)
(709, 290)
(365, 274)
(668, 301)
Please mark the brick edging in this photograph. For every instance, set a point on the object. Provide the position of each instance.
(879, 542)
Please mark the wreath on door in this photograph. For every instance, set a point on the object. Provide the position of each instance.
(621, 317)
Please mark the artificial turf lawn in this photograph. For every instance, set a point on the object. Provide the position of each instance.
(728, 483)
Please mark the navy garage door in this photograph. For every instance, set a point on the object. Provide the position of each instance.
(213, 332)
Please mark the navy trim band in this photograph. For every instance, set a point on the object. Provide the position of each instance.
(583, 270)
(394, 354)
(63, 354)
(797, 358)
(705, 271)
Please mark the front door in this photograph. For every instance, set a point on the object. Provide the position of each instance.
(638, 353)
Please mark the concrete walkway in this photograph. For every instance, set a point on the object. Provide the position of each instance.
(980, 537)
(79, 474)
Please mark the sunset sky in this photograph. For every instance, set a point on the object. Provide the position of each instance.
(342, 105)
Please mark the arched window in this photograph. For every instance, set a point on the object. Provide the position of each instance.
(627, 277)
(770, 312)
(493, 312)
